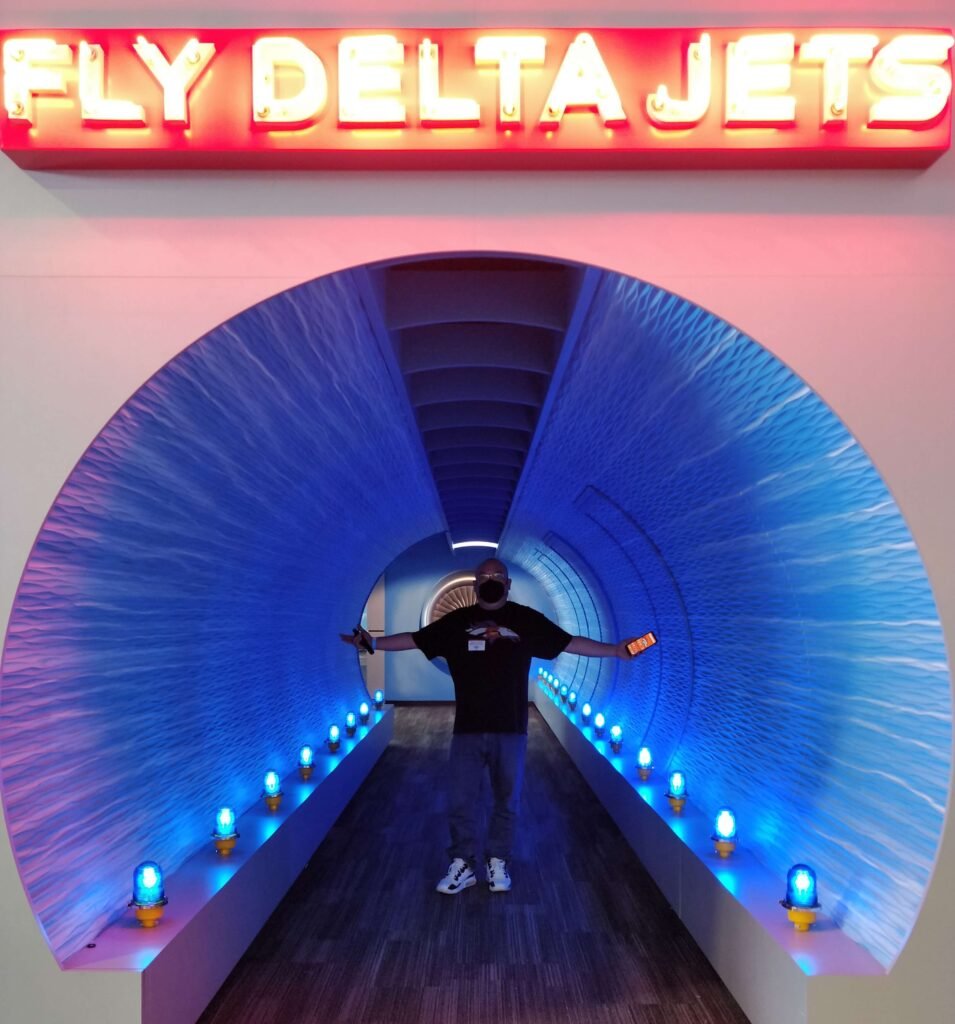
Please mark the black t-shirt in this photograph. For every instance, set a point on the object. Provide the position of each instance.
(489, 654)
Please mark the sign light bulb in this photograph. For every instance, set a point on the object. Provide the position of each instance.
(363, 712)
(30, 69)
(583, 81)
(369, 82)
(270, 56)
(666, 112)
(433, 108)
(149, 897)
(272, 784)
(306, 756)
(95, 108)
(835, 52)
(758, 74)
(908, 69)
(178, 77)
(509, 53)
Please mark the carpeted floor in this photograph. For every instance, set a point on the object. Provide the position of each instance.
(584, 937)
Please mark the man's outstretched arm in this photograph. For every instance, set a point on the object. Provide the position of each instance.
(395, 642)
(596, 649)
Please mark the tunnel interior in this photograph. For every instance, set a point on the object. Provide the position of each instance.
(648, 464)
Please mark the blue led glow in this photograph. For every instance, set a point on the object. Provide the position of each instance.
(725, 825)
(379, 699)
(272, 783)
(363, 712)
(644, 758)
(801, 887)
(306, 756)
(676, 784)
(350, 723)
(572, 699)
(599, 723)
(148, 885)
(334, 734)
(585, 712)
(225, 823)
(616, 733)
(564, 692)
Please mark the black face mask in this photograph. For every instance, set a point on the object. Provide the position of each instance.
(491, 591)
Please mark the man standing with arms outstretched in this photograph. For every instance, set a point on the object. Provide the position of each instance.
(488, 647)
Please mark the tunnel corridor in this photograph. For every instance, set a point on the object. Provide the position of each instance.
(650, 465)
(585, 937)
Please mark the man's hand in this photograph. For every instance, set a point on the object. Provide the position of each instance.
(357, 638)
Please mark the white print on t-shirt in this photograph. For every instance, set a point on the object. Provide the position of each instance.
(491, 631)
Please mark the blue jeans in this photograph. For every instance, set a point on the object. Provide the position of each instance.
(502, 754)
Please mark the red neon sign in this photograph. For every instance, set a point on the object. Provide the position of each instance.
(476, 98)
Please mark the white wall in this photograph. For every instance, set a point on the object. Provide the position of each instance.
(849, 277)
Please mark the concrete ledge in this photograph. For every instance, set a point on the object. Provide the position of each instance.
(730, 907)
(217, 905)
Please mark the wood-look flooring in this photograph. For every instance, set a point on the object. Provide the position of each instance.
(584, 937)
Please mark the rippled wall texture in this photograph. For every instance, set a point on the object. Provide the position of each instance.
(801, 673)
(175, 632)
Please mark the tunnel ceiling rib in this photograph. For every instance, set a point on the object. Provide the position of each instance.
(476, 340)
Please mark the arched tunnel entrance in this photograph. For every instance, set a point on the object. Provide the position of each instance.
(650, 466)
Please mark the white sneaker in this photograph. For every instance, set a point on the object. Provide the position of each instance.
(498, 878)
(459, 877)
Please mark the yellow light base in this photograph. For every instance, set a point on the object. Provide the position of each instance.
(305, 771)
(802, 918)
(225, 846)
(333, 747)
(724, 847)
(644, 773)
(272, 802)
(149, 917)
(676, 803)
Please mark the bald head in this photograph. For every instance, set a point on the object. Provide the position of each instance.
(491, 583)
(490, 567)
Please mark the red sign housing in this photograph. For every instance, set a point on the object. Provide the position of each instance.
(544, 98)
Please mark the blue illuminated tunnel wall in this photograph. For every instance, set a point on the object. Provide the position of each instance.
(174, 632)
(801, 673)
